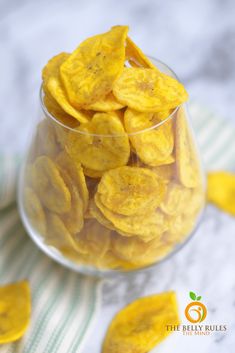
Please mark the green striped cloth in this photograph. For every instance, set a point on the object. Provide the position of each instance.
(64, 303)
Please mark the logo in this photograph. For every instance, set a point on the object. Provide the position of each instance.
(194, 314)
(195, 311)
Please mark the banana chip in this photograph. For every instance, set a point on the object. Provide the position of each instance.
(57, 112)
(88, 74)
(188, 168)
(141, 325)
(101, 144)
(130, 190)
(107, 104)
(134, 250)
(136, 57)
(46, 139)
(53, 84)
(146, 226)
(93, 240)
(181, 226)
(165, 172)
(147, 90)
(50, 186)
(197, 202)
(73, 220)
(94, 212)
(58, 235)
(75, 171)
(176, 199)
(51, 69)
(15, 310)
(153, 145)
(95, 174)
(34, 210)
(58, 94)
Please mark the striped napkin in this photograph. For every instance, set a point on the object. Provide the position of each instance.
(215, 137)
(65, 304)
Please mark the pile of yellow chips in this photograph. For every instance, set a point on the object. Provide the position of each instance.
(113, 178)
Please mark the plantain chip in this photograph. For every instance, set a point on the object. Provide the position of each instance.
(176, 199)
(141, 325)
(147, 90)
(57, 112)
(15, 310)
(165, 172)
(107, 104)
(88, 74)
(73, 219)
(134, 250)
(93, 240)
(58, 235)
(136, 57)
(35, 210)
(75, 171)
(46, 139)
(52, 84)
(130, 190)
(50, 186)
(187, 165)
(153, 145)
(147, 226)
(101, 144)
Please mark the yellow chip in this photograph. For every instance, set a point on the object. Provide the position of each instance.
(53, 84)
(176, 200)
(59, 95)
(221, 190)
(197, 202)
(147, 226)
(111, 261)
(73, 220)
(50, 186)
(141, 325)
(93, 240)
(187, 162)
(58, 235)
(46, 140)
(88, 74)
(130, 190)
(95, 174)
(180, 227)
(163, 115)
(57, 112)
(101, 144)
(165, 172)
(34, 210)
(153, 145)
(147, 90)
(75, 171)
(94, 212)
(136, 57)
(107, 104)
(52, 67)
(134, 250)
(15, 310)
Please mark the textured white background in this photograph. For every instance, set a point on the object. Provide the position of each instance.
(197, 39)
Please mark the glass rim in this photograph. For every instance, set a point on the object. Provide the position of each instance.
(75, 129)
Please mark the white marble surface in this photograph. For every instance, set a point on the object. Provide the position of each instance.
(197, 39)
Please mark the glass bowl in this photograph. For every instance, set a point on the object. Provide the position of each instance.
(109, 202)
